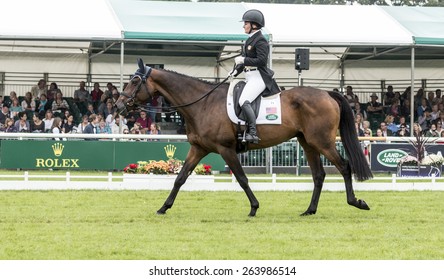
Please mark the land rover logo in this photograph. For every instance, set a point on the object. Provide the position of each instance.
(271, 117)
(390, 157)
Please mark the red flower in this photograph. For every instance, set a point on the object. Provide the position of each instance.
(133, 166)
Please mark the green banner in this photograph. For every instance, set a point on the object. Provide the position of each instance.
(92, 155)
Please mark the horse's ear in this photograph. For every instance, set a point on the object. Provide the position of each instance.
(141, 65)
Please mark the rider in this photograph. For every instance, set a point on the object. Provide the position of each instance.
(253, 61)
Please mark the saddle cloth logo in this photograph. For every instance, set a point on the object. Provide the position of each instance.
(269, 111)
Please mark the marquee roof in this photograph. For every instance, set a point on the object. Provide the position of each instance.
(208, 29)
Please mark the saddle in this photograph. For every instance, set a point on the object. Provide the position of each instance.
(255, 104)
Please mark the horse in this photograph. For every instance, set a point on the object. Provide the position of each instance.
(312, 115)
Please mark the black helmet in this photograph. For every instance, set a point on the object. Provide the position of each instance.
(255, 16)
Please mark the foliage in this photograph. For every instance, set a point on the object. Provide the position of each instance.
(420, 157)
(172, 166)
(122, 225)
(203, 169)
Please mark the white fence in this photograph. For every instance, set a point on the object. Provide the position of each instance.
(25, 181)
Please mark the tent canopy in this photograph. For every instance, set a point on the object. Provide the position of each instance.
(212, 29)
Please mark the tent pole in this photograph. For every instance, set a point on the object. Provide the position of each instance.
(122, 58)
(412, 90)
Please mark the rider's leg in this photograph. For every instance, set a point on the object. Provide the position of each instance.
(253, 88)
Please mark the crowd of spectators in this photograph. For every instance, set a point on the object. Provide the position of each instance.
(391, 116)
(44, 109)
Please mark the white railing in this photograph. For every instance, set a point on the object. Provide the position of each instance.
(110, 181)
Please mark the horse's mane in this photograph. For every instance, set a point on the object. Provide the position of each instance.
(191, 78)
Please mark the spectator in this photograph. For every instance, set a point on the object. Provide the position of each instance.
(144, 122)
(28, 104)
(384, 129)
(366, 128)
(91, 128)
(403, 121)
(359, 131)
(155, 108)
(12, 96)
(390, 123)
(81, 96)
(439, 128)
(405, 109)
(432, 131)
(90, 110)
(96, 96)
(109, 109)
(394, 108)
(417, 129)
(379, 133)
(37, 125)
(388, 97)
(57, 127)
(137, 129)
(103, 127)
(41, 108)
(359, 110)
(39, 89)
(52, 91)
(68, 124)
(374, 108)
(430, 98)
(437, 99)
(435, 112)
(107, 95)
(115, 95)
(48, 120)
(9, 126)
(85, 121)
(59, 105)
(351, 97)
(419, 96)
(425, 121)
(22, 125)
(359, 120)
(15, 108)
(154, 129)
(403, 132)
(4, 114)
(115, 128)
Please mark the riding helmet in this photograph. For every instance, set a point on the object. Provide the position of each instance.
(255, 16)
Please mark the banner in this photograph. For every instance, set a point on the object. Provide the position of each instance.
(92, 155)
(385, 156)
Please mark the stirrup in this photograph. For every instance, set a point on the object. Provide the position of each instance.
(251, 138)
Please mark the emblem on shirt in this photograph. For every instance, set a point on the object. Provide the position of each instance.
(249, 47)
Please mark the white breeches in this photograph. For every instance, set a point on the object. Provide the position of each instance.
(253, 87)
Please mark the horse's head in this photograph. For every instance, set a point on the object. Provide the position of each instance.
(137, 90)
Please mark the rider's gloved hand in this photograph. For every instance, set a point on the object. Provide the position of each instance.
(239, 60)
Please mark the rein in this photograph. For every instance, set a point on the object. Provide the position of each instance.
(142, 81)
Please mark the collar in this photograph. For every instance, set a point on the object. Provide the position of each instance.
(251, 34)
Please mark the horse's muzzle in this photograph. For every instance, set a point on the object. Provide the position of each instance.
(121, 108)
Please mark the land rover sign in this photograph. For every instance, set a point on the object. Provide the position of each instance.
(390, 157)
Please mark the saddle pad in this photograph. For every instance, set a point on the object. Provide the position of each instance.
(269, 111)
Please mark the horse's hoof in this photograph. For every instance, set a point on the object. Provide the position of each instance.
(252, 212)
(361, 204)
(160, 212)
(308, 213)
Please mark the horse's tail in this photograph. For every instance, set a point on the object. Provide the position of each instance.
(349, 137)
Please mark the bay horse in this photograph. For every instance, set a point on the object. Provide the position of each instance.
(311, 115)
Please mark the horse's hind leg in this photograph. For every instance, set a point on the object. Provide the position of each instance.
(318, 174)
(195, 154)
(233, 163)
(345, 169)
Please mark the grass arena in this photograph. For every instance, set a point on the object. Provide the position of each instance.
(206, 225)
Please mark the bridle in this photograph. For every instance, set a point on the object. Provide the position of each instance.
(144, 76)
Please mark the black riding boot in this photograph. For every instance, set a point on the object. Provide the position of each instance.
(251, 136)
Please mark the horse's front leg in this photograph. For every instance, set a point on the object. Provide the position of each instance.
(195, 154)
(230, 157)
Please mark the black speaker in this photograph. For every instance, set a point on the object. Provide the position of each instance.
(302, 61)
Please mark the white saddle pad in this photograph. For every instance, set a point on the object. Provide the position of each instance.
(269, 111)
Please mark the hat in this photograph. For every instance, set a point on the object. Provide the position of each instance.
(374, 95)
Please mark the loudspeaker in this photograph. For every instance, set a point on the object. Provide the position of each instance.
(302, 61)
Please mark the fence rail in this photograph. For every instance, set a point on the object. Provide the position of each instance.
(67, 181)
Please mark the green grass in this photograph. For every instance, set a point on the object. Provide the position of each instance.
(214, 225)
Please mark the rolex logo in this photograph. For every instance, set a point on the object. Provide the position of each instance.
(58, 149)
(170, 150)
